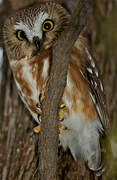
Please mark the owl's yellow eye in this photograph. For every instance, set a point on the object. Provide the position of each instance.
(48, 25)
(20, 35)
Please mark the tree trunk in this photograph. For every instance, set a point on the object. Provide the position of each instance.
(19, 146)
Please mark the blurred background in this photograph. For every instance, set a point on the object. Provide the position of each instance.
(18, 157)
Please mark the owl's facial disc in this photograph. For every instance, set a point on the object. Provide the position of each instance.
(34, 29)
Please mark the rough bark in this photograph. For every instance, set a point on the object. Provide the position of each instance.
(18, 154)
(57, 82)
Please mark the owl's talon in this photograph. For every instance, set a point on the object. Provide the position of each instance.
(61, 127)
(62, 106)
(61, 117)
(37, 129)
(41, 96)
(38, 104)
(39, 118)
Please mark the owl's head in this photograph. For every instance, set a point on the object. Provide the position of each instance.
(34, 29)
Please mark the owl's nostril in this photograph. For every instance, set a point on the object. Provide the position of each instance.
(37, 42)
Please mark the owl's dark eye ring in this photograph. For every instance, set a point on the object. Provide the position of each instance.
(20, 35)
(48, 25)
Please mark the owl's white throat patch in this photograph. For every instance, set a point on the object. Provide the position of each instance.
(36, 29)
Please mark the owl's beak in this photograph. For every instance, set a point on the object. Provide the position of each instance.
(37, 43)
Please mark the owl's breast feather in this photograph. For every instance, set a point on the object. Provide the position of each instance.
(30, 78)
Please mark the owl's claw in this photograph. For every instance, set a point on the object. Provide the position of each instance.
(39, 118)
(61, 116)
(41, 96)
(62, 106)
(38, 104)
(61, 127)
(37, 129)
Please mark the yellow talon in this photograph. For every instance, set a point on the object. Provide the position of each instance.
(42, 95)
(61, 126)
(38, 105)
(61, 116)
(62, 105)
(37, 129)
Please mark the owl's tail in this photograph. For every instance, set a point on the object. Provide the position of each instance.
(84, 143)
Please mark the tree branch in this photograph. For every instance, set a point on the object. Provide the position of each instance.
(48, 147)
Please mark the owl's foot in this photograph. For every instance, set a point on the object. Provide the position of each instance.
(41, 98)
(62, 127)
(37, 129)
(62, 106)
(61, 116)
(39, 118)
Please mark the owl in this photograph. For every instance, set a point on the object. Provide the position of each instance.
(29, 35)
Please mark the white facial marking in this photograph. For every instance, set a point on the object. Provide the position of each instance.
(38, 23)
(45, 68)
(36, 30)
(90, 70)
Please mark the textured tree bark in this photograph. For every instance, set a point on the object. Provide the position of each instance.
(56, 85)
(18, 145)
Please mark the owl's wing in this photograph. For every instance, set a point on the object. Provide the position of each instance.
(92, 77)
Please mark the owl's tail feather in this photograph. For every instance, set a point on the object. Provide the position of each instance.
(84, 143)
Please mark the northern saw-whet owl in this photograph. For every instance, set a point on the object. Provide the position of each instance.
(28, 37)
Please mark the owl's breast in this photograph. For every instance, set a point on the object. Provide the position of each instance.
(31, 77)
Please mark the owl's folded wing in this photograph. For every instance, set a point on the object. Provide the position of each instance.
(91, 75)
(95, 85)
